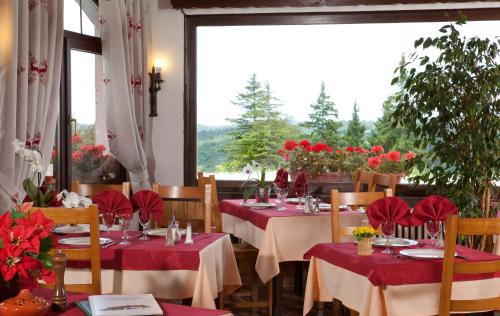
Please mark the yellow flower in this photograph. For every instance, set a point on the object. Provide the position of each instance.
(363, 232)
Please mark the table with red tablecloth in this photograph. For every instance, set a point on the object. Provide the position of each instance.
(411, 287)
(280, 236)
(168, 309)
(200, 270)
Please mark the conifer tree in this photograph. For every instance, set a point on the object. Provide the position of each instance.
(355, 134)
(323, 125)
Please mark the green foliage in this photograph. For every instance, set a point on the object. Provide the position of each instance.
(259, 130)
(36, 194)
(323, 125)
(355, 134)
(211, 148)
(451, 103)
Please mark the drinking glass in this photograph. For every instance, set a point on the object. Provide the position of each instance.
(432, 227)
(282, 193)
(277, 192)
(144, 219)
(108, 219)
(124, 222)
(300, 195)
(387, 231)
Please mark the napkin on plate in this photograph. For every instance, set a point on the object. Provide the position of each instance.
(391, 209)
(281, 179)
(300, 185)
(148, 202)
(114, 202)
(433, 207)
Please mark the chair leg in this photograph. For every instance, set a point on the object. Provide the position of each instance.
(270, 298)
(382, 300)
(221, 300)
(337, 307)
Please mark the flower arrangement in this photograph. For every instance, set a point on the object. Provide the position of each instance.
(390, 162)
(24, 248)
(89, 157)
(252, 183)
(363, 232)
(72, 199)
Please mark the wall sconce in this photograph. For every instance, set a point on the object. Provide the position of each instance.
(154, 87)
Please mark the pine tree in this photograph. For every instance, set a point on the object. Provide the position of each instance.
(260, 130)
(383, 132)
(323, 125)
(355, 134)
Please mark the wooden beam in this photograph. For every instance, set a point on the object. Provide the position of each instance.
(207, 4)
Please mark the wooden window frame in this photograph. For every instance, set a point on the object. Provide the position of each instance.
(191, 22)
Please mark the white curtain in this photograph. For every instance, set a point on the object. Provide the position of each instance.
(125, 34)
(31, 33)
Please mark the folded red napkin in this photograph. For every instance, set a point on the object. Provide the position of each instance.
(433, 207)
(148, 202)
(281, 179)
(391, 209)
(114, 202)
(300, 185)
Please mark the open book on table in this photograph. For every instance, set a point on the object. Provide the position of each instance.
(124, 305)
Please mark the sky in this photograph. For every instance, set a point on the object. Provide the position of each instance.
(356, 62)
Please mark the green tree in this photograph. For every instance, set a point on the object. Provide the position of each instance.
(260, 130)
(323, 125)
(355, 134)
(386, 131)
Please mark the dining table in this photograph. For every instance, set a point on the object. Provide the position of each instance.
(280, 235)
(168, 309)
(410, 286)
(200, 270)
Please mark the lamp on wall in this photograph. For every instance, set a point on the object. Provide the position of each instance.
(154, 87)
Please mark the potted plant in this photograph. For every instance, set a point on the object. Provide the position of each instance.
(256, 185)
(391, 164)
(450, 102)
(90, 162)
(364, 236)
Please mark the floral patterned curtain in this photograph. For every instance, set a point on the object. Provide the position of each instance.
(125, 34)
(31, 33)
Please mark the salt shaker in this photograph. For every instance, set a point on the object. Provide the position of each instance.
(316, 206)
(307, 204)
(189, 234)
(170, 236)
(177, 231)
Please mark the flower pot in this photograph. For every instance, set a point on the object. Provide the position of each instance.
(92, 176)
(365, 247)
(24, 304)
(8, 291)
(327, 177)
(262, 195)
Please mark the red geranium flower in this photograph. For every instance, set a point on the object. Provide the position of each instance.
(286, 156)
(54, 154)
(377, 149)
(328, 149)
(383, 156)
(290, 145)
(77, 155)
(359, 149)
(349, 149)
(338, 151)
(318, 147)
(76, 139)
(374, 162)
(99, 149)
(280, 152)
(410, 155)
(394, 155)
(86, 148)
(305, 144)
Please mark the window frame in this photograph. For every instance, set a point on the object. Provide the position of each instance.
(192, 22)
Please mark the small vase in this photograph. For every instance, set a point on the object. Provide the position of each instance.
(365, 247)
(262, 195)
(24, 304)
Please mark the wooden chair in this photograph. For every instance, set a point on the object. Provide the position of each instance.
(350, 199)
(384, 180)
(363, 177)
(466, 226)
(187, 205)
(89, 190)
(89, 216)
(245, 254)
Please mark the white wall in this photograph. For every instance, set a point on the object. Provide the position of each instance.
(168, 44)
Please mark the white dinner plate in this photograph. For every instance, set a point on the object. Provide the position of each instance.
(80, 229)
(423, 253)
(258, 204)
(82, 241)
(394, 242)
(161, 232)
(296, 200)
(324, 206)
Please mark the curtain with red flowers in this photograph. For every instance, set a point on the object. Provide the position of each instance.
(125, 34)
(31, 39)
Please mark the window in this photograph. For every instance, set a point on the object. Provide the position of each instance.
(344, 60)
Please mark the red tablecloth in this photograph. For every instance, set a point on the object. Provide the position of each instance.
(386, 269)
(168, 309)
(151, 254)
(260, 217)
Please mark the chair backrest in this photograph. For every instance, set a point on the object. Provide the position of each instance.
(350, 199)
(186, 204)
(90, 216)
(456, 226)
(361, 177)
(388, 181)
(215, 211)
(89, 190)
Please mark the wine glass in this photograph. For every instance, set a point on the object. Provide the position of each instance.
(124, 222)
(108, 219)
(432, 227)
(144, 219)
(276, 190)
(300, 195)
(387, 231)
(282, 193)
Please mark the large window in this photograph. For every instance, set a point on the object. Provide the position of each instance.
(282, 79)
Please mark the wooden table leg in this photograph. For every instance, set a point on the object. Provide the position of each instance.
(278, 295)
(299, 278)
